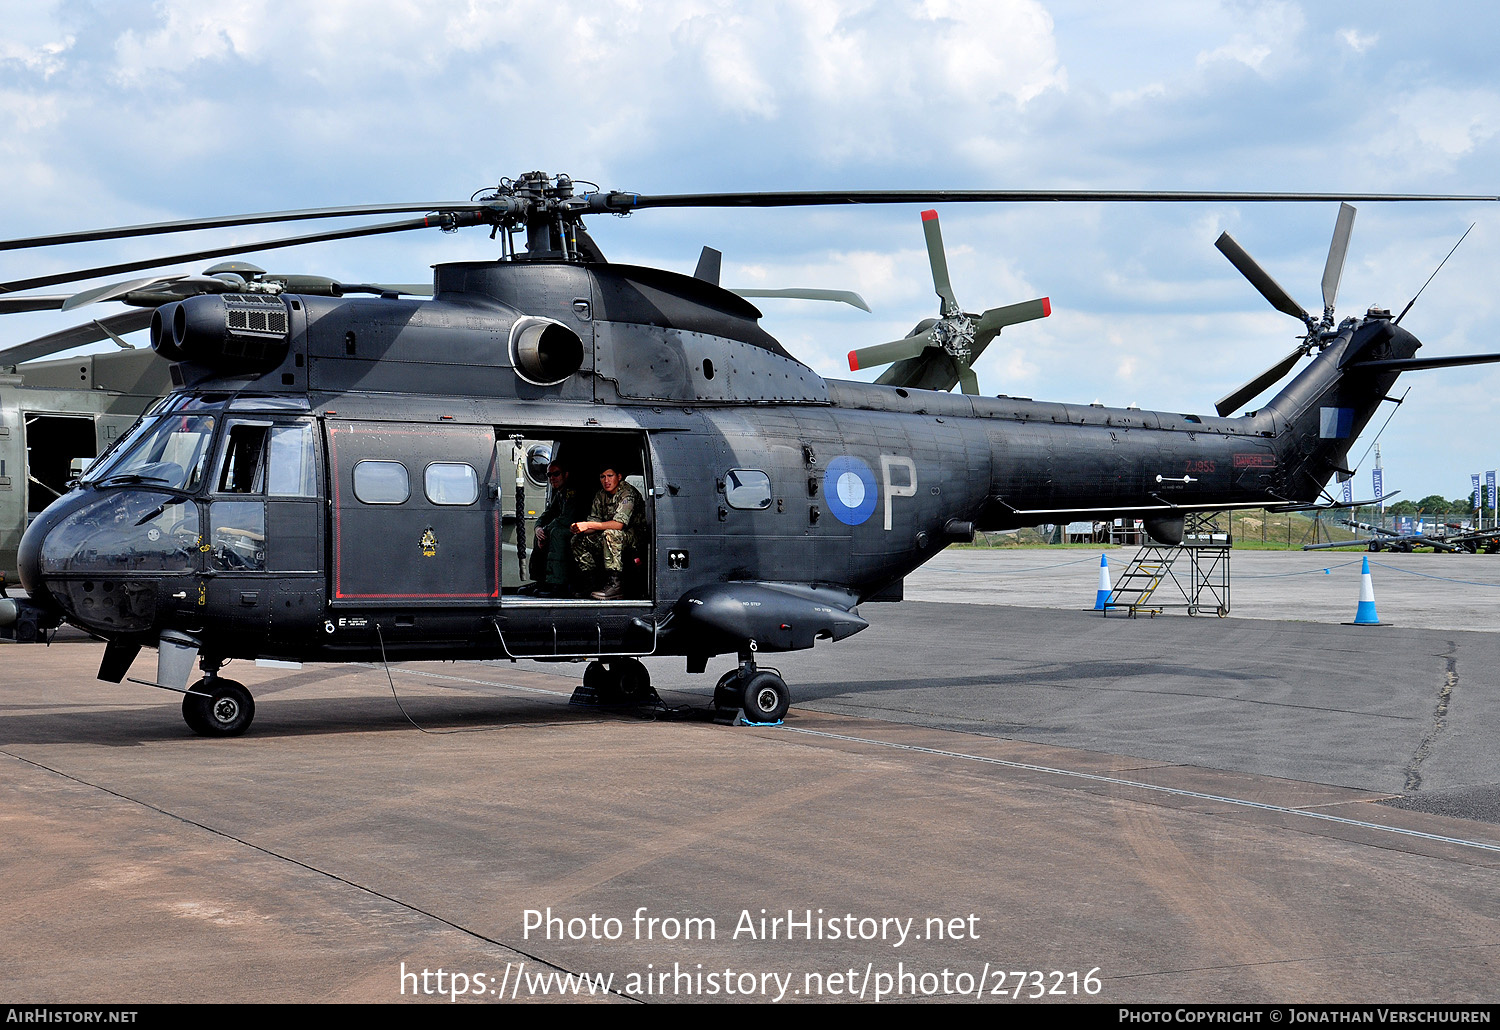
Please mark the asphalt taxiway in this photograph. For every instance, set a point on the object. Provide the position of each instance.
(1148, 810)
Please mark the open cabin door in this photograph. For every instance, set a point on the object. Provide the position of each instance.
(548, 609)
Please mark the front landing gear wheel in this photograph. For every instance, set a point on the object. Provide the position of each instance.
(226, 711)
(765, 698)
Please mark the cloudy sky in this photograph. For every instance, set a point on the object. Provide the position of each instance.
(114, 113)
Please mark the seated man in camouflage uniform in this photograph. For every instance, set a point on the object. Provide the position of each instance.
(551, 554)
(616, 525)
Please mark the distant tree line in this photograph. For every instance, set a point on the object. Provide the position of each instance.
(1434, 505)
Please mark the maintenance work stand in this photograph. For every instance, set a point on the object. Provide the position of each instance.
(1192, 575)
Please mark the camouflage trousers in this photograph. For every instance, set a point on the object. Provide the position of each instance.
(608, 544)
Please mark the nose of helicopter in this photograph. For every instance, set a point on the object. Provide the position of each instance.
(101, 558)
(29, 556)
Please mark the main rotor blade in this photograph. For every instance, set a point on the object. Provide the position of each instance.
(995, 319)
(225, 221)
(820, 198)
(933, 233)
(1271, 375)
(239, 248)
(77, 336)
(1338, 248)
(1259, 278)
(797, 293)
(15, 305)
(109, 291)
(885, 353)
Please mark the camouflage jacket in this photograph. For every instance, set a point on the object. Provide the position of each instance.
(626, 506)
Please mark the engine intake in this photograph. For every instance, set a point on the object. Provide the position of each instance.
(544, 352)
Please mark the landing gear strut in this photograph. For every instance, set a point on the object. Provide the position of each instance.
(761, 693)
(217, 707)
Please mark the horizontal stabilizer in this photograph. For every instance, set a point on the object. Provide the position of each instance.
(1414, 364)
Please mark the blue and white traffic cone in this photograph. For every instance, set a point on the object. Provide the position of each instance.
(1101, 600)
(1365, 615)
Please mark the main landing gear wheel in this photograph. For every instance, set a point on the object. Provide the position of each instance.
(226, 711)
(619, 681)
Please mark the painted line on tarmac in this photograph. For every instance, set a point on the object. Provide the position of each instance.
(271, 852)
(1174, 791)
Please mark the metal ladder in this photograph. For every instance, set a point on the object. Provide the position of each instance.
(1141, 568)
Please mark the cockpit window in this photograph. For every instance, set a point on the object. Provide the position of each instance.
(243, 467)
(169, 451)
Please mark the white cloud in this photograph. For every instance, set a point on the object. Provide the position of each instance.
(1432, 129)
(1358, 41)
(190, 33)
(1266, 30)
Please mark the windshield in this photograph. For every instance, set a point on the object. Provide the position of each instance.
(167, 450)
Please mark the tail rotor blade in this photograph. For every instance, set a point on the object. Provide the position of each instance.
(995, 319)
(885, 353)
(1274, 374)
(1333, 271)
(1259, 278)
(939, 261)
(968, 381)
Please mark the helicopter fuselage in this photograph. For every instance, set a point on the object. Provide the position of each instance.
(332, 479)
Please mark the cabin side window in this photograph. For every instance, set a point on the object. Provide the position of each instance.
(381, 482)
(450, 482)
(748, 489)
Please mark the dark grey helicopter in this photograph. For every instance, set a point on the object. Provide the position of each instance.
(327, 481)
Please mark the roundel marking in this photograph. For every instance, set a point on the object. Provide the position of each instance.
(849, 488)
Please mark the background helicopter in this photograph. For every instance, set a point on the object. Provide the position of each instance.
(324, 484)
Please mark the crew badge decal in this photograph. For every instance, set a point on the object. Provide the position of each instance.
(428, 543)
(849, 488)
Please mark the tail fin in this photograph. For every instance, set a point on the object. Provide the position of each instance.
(1320, 414)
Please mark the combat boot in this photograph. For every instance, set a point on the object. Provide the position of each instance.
(613, 589)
